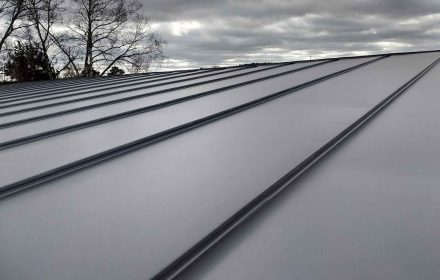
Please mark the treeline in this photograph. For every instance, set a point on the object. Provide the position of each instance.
(49, 39)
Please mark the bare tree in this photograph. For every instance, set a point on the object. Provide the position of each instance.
(83, 37)
(66, 44)
(45, 15)
(49, 20)
(12, 13)
(113, 32)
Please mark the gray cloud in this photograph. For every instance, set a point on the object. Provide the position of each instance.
(222, 32)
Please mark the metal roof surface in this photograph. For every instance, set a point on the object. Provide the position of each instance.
(149, 176)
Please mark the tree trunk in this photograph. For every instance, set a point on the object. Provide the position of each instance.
(88, 63)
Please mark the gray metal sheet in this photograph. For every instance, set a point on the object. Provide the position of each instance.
(368, 211)
(21, 90)
(128, 86)
(87, 115)
(91, 102)
(56, 90)
(90, 141)
(103, 84)
(128, 218)
(111, 97)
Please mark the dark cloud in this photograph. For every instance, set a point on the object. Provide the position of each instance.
(204, 33)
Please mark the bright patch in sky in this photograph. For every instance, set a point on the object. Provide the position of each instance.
(182, 27)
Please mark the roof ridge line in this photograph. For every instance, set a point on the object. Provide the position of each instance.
(370, 55)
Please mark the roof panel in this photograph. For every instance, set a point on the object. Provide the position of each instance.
(114, 96)
(189, 184)
(132, 216)
(59, 87)
(99, 112)
(370, 210)
(109, 135)
(49, 86)
(129, 87)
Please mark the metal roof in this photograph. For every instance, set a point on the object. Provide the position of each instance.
(177, 174)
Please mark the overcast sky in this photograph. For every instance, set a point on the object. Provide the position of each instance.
(222, 32)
